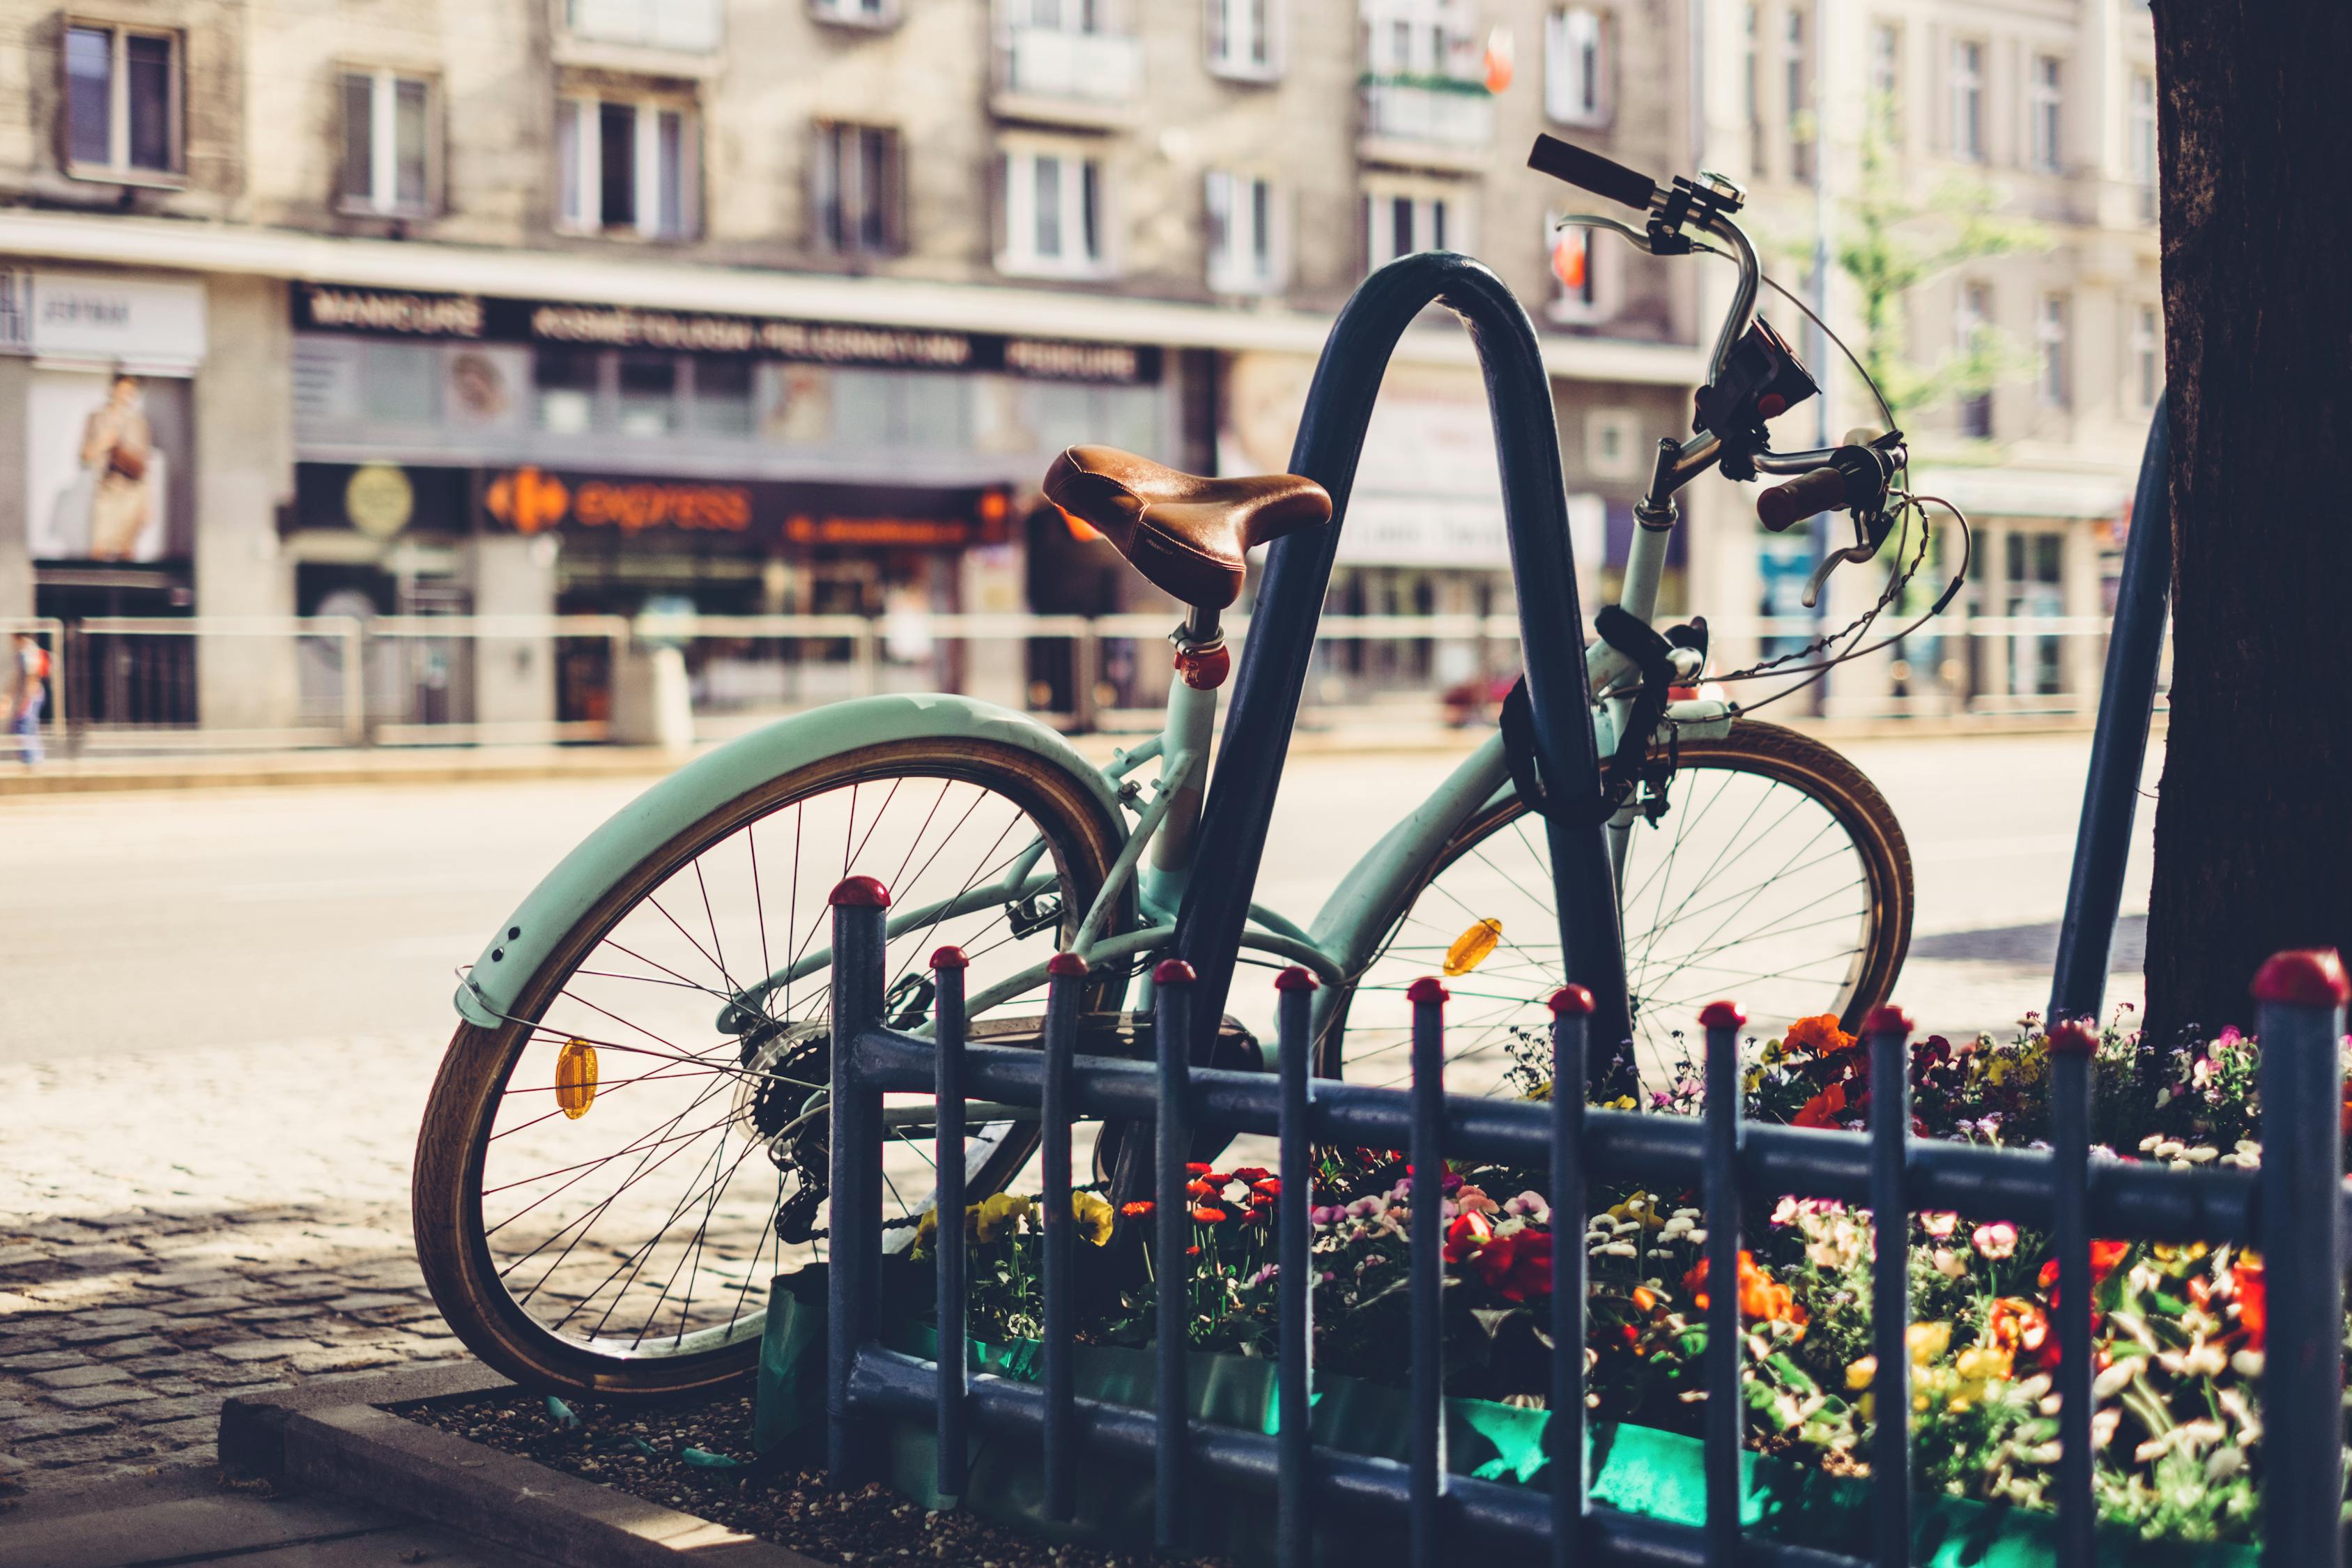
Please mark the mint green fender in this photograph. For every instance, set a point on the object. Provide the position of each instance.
(524, 940)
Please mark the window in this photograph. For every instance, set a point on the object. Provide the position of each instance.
(2049, 113)
(695, 25)
(1752, 96)
(1419, 38)
(1397, 223)
(387, 144)
(123, 102)
(1968, 101)
(647, 404)
(1053, 215)
(1612, 450)
(1797, 97)
(856, 12)
(722, 395)
(1887, 80)
(1576, 66)
(1587, 291)
(2143, 141)
(1064, 15)
(627, 167)
(565, 384)
(2050, 343)
(1972, 328)
(2147, 354)
(1245, 235)
(1243, 40)
(857, 192)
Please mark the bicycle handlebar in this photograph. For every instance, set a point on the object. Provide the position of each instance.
(1784, 506)
(1592, 172)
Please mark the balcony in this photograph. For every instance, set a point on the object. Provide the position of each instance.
(1426, 122)
(678, 38)
(1053, 76)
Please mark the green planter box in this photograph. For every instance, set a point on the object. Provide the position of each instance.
(1637, 1469)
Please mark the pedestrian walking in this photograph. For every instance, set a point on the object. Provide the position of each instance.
(30, 696)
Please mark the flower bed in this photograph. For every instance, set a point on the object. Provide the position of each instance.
(2179, 1331)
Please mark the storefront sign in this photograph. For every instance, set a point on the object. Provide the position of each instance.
(148, 327)
(531, 500)
(329, 307)
(379, 500)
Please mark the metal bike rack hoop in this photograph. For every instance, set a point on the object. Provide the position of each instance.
(1274, 659)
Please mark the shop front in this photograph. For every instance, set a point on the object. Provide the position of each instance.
(503, 457)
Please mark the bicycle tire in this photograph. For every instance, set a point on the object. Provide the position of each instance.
(453, 1244)
(1769, 752)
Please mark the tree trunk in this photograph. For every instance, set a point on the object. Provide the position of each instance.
(2253, 827)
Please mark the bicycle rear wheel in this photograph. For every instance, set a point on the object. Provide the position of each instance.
(1777, 877)
(606, 1182)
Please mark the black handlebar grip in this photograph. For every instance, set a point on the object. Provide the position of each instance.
(1592, 172)
(1783, 506)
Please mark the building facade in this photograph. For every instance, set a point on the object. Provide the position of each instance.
(338, 307)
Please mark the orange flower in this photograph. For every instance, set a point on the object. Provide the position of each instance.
(1819, 1035)
(2018, 1324)
(1823, 1109)
(1210, 1214)
(2105, 1255)
(1140, 1209)
(1761, 1296)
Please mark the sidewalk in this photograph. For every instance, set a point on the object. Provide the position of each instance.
(185, 1515)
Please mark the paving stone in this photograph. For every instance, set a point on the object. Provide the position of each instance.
(32, 1428)
(272, 1314)
(172, 1386)
(58, 1453)
(199, 1431)
(179, 1409)
(80, 1376)
(16, 1257)
(264, 1349)
(90, 1258)
(343, 1358)
(220, 1375)
(202, 1306)
(99, 1396)
(144, 1345)
(370, 1302)
(43, 1360)
(16, 1409)
(186, 1278)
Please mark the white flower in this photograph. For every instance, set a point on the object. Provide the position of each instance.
(1697, 1237)
(2110, 1383)
(2224, 1462)
(2247, 1363)
(1618, 1249)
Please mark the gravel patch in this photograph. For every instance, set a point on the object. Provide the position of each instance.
(638, 1449)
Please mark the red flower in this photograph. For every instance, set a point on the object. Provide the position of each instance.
(1819, 1035)
(1517, 1266)
(1250, 1173)
(1270, 1187)
(1140, 1209)
(1195, 1168)
(1466, 1236)
(2253, 1295)
(1201, 1189)
(1210, 1214)
(2105, 1255)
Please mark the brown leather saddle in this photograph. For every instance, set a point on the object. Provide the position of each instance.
(1187, 534)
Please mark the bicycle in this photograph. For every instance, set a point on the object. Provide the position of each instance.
(599, 1231)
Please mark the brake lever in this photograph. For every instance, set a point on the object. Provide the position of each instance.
(1866, 541)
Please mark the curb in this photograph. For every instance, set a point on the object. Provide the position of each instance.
(333, 1436)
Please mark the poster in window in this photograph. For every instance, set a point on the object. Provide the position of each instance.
(105, 469)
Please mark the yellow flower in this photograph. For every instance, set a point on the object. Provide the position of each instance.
(1862, 1374)
(1927, 1341)
(1093, 1214)
(999, 1214)
(1622, 1103)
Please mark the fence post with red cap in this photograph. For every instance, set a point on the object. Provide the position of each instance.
(948, 966)
(2300, 1000)
(1171, 983)
(1888, 1030)
(1427, 1341)
(1571, 1022)
(2073, 1047)
(1295, 1281)
(1067, 973)
(1719, 1195)
(854, 1256)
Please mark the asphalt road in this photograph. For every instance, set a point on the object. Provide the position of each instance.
(220, 1012)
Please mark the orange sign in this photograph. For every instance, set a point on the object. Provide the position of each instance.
(531, 502)
(917, 530)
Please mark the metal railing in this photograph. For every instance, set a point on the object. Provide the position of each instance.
(119, 682)
(2293, 1209)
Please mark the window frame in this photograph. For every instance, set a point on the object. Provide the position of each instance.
(118, 169)
(1019, 217)
(1261, 265)
(1972, 319)
(1440, 219)
(383, 100)
(2147, 354)
(2045, 91)
(1969, 148)
(2053, 379)
(853, 14)
(831, 218)
(1887, 78)
(650, 194)
(1561, 103)
(2140, 129)
(1219, 34)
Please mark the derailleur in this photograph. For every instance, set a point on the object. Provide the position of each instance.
(788, 1068)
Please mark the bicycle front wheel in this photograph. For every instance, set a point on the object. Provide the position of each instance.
(1776, 876)
(606, 1182)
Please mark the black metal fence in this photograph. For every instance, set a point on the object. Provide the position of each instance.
(2294, 1208)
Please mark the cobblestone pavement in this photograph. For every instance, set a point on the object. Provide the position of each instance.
(220, 1012)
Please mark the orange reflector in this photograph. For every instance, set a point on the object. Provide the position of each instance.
(1472, 947)
(576, 1078)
